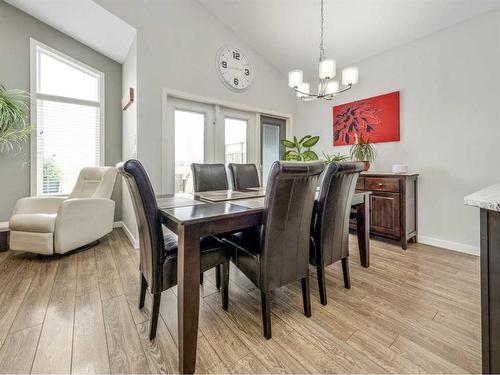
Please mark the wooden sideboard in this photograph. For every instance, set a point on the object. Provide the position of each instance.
(393, 204)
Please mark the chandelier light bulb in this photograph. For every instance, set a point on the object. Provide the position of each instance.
(326, 68)
(350, 75)
(304, 89)
(332, 87)
(295, 78)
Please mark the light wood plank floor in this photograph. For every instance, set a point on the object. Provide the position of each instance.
(411, 312)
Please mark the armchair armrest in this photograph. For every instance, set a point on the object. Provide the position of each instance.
(38, 205)
(81, 221)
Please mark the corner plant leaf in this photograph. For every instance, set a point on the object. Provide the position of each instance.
(304, 138)
(311, 155)
(287, 143)
(311, 141)
(294, 157)
(296, 141)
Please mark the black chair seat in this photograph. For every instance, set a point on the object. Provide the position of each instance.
(245, 252)
(213, 253)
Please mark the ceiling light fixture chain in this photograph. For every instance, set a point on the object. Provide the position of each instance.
(327, 87)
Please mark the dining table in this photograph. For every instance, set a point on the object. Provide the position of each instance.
(192, 216)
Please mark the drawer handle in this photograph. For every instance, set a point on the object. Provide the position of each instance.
(380, 184)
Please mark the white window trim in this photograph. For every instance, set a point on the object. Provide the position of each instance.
(35, 180)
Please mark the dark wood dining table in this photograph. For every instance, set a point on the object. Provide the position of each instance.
(192, 217)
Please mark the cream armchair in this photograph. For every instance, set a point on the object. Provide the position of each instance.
(48, 225)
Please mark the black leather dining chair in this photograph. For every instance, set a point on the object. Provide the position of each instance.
(243, 176)
(277, 253)
(210, 177)
(158, 252)
(330, 222)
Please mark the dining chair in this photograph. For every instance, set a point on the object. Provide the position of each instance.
(243, 176)
(210, 177)
(330, 222)
(158, 252)
(277, 253)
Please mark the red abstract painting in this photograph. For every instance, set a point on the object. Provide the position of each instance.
(375, 119)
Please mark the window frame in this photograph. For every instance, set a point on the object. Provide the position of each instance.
(35, 177)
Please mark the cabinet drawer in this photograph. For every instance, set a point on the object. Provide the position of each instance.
(360, 184)
(382, 184)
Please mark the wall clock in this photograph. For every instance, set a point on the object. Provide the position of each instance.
(234, 68)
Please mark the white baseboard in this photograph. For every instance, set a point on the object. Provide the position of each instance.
(117, 224)
(455, 246)
(133, 241)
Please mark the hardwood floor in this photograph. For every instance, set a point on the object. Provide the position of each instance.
(410, 312)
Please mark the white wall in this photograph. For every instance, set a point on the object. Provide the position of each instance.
(129, 137)
(177, 42)
(450, 122)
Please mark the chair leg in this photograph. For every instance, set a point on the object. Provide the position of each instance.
(217, 276)
(225, 285)
(266, 314)
(155, 312)
(201, 278)
(306, 296)
(142, 293)
(322, 284)
(345, 271)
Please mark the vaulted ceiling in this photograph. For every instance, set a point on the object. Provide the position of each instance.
(287, 32)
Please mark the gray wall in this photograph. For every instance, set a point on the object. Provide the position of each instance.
(16, 28)
(176, 45)
(450, 126)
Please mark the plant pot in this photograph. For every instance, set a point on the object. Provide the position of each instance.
(367, 165)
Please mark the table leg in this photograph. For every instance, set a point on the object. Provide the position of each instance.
(363, 230)
(188, 296)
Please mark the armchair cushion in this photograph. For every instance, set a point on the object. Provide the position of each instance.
(38, 205)
(38, 223)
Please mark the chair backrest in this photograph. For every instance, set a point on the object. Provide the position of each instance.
(94, 182)
(330, 224)
(148, 221)
(288, 208)
(243, 176)
(208, 177)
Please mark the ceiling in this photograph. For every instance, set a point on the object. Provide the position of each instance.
(287, 32)
(85, 21)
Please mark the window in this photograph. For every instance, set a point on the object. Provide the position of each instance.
(68, 112)
(189, 147)
(235, 141)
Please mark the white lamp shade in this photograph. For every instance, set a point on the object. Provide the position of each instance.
(326, 69)
(350, 75)
(295, 78)
(304, 87)
(332, 87)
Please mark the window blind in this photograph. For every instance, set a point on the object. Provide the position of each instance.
(68, 121)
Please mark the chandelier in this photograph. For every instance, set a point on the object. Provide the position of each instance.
(327, 86)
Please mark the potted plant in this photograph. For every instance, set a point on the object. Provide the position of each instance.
(300, 150)
(52, 176)
(363, 150)
(14, 126)
(329, 158)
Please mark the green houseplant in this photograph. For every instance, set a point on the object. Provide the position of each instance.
(300, 150)
(363, 150)
(14, 126)
(329, 158)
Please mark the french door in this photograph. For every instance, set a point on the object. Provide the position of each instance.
(205, 133)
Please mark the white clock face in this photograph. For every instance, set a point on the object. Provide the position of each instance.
(234, 68)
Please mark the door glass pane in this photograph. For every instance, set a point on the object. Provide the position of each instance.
(270, 148)
(189, 147)
(235, 140)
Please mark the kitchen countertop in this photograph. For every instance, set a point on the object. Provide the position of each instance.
(487, 198)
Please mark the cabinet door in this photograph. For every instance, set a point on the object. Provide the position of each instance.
(384, 214)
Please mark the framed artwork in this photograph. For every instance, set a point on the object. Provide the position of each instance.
(375, 118)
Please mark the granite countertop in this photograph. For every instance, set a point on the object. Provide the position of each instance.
(488, 198)
(367, 173)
